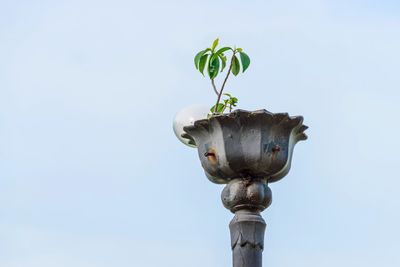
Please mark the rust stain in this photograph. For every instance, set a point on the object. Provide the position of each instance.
(211, 155)
(276, 149)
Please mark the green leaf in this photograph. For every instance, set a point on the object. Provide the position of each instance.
(234, 101)
(220, 108)
(213, 55)
(197, 58)
(202, 63)
(226, 101)
(222, 50)
(245, 60)
(239, 49)
(213, 67)
(235, 66)
(227, 94)
(215, 43)
(223, 60)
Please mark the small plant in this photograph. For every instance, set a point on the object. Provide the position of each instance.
(214, 62)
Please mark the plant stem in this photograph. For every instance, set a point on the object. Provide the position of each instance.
(215, 87)
(223, 84)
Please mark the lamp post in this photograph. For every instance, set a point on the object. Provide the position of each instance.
(246, 151)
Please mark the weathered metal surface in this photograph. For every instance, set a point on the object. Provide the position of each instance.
(246, 150)
(250, 194)
(247, 198)
(247, 238)
(246, 144)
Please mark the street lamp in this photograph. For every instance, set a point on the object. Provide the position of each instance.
(246, 150)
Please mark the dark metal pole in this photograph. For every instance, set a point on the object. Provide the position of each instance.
(247, 238)
(246, 198)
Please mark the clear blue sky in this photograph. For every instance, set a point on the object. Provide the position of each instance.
(91, 173)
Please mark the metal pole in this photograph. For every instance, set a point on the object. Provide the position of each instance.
(246, 198)
(247, 239)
